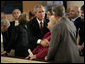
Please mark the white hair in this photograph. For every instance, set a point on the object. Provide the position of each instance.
(38, 6)
(5, 22)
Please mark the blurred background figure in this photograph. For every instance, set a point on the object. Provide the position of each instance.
(31, 15)
(80, 38)
(19, 38)
(49, 13)
(4, 26)
(75, 18)
(3, 15)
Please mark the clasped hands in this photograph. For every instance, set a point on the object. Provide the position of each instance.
(44, 43)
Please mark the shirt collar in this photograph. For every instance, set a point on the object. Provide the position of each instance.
(74, 19)
(40, 21)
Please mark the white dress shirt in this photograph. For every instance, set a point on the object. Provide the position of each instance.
(74, 19)
(16, 22)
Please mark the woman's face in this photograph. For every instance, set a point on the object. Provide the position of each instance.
(51, 23)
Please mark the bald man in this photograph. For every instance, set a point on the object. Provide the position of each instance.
(75, 18)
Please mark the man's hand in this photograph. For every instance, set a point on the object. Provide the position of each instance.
(80, 47)
(4, 52)
(32, 57)
(27, 57)
(45, 43)
(45, 58)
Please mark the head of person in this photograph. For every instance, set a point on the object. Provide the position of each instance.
(31, 14)
(39, 12)
(74, 12)
(49, 13)
(82, 12)
(51, 23)
(3, 15)
(4, 25)
(16, 13)
(59, 12)
(23, 19)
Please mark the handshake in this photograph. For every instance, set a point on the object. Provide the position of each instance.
(44, 43)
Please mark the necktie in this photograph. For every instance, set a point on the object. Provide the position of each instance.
(41, 27)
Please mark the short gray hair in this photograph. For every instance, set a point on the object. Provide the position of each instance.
(38, 6)
(17, 10)
(5, 22)
(59, 10)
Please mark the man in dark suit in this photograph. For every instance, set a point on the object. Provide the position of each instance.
(38, 27)
(75, 18)
(16, 13)
(4, 33)
(80, 38)
(63, 46)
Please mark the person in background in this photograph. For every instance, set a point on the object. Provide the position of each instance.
(40, 52)
(19, 39)
(37, 27)
(49, 13)
(31, 15)
(4, 26)
(80, 38)
(63, 47)
(16, 13)
(5, 33)
(75, 18)
(3, 15)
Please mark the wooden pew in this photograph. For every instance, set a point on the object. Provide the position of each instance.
(18, 60)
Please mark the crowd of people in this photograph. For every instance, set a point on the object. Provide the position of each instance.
(54, 37)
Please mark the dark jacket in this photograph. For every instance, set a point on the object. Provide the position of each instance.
(5, 39)
(19, 41)
(77, 23)
(34, 29)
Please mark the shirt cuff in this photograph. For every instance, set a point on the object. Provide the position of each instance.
(38, 41)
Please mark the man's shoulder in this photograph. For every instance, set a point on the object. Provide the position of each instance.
(78, 19)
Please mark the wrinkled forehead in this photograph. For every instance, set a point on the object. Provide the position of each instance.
(16, 11)
(40, 9)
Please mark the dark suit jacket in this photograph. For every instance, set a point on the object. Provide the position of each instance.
(19, 41)
(77, 23)
(7, 34)
(63, 46)
(33, 28)
(5, 39)
(11, 28)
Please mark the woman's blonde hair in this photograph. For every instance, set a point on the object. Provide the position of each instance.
(53, 20)
(23, 18)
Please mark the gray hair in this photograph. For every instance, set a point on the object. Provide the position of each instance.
(38, 6)
(17, 10)
(5, 22)
(59, 10)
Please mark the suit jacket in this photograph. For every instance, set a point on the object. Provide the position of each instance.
(35, 33)
(63, 47)
(11, 28)
(5, 39)
(77, 23)
(19, 41)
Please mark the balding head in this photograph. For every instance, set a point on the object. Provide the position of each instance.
(76, 8)
(16, 13)
(74, 11)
